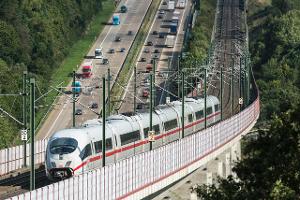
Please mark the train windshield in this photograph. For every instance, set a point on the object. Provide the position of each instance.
(63, 145)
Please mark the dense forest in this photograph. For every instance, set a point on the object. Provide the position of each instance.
(35, 36)
(270, 166)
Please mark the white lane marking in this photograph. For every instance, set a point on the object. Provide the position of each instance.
(178, 32)
(53, 124)
(155, 18)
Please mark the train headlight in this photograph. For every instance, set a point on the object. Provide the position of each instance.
(68, 164)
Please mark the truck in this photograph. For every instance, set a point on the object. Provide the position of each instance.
(76, 88)
(116, 19)
(170, 41)
(123, 9)
(171, 5)
(87, 68)
(98, 53)
(173, 28)
(181, 4)
(175, 19)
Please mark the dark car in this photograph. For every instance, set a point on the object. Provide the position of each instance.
(164, 3)
(130, 32)
(139, 106)
(160, 16)
(122, 49)
(111, 51)
(161, 12)
(94, 105)
(149, 43)
(118, 39)
(105, 61)
(78, 111)
(161, 35)
(156, 51)
(154, 32)
(143, 60)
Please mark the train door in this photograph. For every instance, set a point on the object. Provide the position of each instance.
(92, 165)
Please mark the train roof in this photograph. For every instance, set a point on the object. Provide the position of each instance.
(77, 133)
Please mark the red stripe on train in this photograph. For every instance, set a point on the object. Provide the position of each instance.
(141, 143)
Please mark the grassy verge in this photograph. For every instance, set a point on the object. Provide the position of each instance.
(77, 52)
(201, 33)
(131, 59)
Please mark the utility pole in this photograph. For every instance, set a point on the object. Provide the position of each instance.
(178, 68)
(134, 98)
(108, 91)
(247, 81)
(182, 108)
(240, 84)
(151, 106)
(32, 132)
(205, 97)
(232, 88)
(221, 96)
(73, 92)
(24, 95)
(154, 88)
(103, 122)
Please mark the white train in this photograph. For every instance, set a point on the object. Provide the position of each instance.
(76, 150)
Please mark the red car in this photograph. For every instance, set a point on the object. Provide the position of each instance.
(148, 67)
(146, 93)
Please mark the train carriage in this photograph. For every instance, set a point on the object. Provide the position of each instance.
(76, 150)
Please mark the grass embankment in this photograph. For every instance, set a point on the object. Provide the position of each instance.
(131, 59)
(77, 52)
(202, 31)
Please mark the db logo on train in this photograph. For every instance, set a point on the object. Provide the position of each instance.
(151, 137)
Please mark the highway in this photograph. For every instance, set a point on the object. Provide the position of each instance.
(61, 115)
(228, 24)
(161, 56)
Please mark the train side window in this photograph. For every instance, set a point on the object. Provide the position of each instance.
(86, 151)
(130, 137)
(216, 107)
(190, 117)
(98, 145)
(155, 128)
(171, 124)
(146, 130)
(199, 114)
(108, 144)
(209, 110)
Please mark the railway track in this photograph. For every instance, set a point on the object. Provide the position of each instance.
(229, 39)
(19, 183)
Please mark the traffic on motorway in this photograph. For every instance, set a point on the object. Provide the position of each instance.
(159, 47)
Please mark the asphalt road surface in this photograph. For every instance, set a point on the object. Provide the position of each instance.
(61, 115)
(161, 56)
